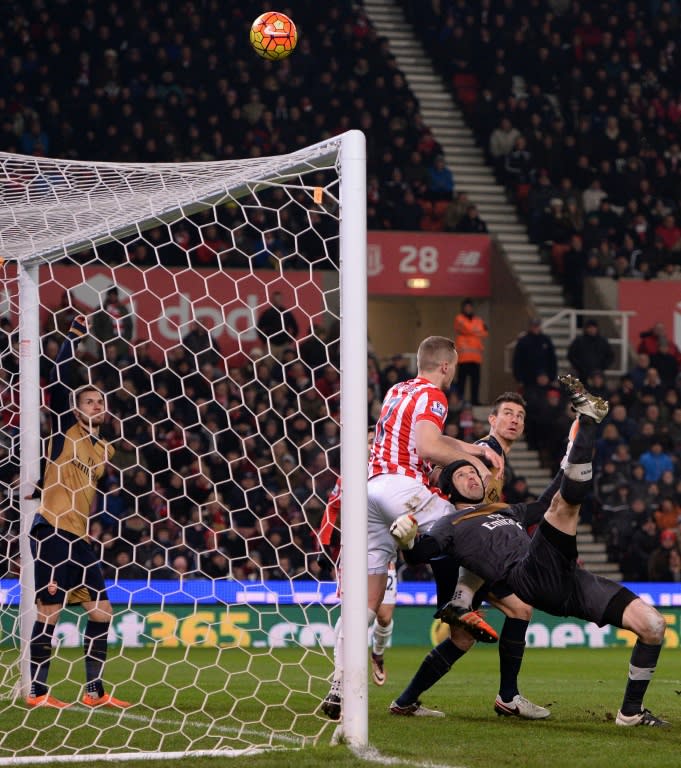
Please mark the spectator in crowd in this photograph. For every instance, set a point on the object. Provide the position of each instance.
(574, 267)
(655, 461)
(638, 373)
(666, 363)
(665, 561)
(655, 343)
(455, 210)
(590, 352)
(277, 326)
(502, 141)
(547, 420)
(440, 185)
(114, 323)
(470, 333)
(644, 540)
(518, 165)
(471, 223)
(199, 341)
(626, 426)
(533, 355)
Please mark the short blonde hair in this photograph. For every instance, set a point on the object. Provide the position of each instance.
(433, 351)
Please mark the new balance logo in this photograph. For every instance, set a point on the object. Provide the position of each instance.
(465, 260)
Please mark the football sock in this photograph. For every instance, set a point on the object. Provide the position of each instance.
(41, 652)
(466, 587)
(338, 651)
(95, 648)
(511, 651)
(641, 667)
(381, 637)
(578, 471)
(435, 666)
(340, 642)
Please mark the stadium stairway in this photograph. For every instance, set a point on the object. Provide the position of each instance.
(592, 553)
(467, 162)
(525, 462)
(471, 174)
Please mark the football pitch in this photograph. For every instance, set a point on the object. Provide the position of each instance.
(211, 699)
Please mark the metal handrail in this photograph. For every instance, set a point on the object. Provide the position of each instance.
(569, 317)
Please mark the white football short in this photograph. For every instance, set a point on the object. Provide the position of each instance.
(389, 497)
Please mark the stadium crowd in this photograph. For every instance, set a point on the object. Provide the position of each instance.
(577, 109)
(223, 471)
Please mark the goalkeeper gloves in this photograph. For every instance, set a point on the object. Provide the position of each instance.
(404, 530)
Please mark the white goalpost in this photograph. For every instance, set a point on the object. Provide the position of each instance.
(228, 437)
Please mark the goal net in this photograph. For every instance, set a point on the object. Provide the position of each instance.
(216, 306)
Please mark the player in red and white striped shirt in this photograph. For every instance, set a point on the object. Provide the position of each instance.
(329, 543)
(408, 442)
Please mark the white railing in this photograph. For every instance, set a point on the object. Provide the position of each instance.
(567, 321)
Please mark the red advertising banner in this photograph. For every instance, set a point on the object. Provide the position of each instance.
(654, 301)
(428, 264)
(165, 301)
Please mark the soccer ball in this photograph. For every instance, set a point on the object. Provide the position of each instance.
(273, 35)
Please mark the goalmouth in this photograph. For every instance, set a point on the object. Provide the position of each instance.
(69, 228)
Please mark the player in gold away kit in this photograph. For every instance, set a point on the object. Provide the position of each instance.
(67, 567)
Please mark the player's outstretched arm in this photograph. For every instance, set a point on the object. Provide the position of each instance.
(61, 378)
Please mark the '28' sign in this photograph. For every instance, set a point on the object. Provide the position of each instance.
(424, 259)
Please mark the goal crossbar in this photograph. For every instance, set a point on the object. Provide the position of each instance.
(52, 208)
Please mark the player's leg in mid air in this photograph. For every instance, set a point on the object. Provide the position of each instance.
(563, 513)
(622, 607)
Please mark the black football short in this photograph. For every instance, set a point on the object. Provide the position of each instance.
(69, 564)
(549, 579)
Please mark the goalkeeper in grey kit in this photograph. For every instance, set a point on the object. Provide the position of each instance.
(491, 541)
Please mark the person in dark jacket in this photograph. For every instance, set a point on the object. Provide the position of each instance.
(590, 352)
(534, 354)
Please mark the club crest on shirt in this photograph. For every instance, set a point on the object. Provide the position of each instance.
(437, 409)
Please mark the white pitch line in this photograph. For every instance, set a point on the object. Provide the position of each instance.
(372, 754)
(223, 729)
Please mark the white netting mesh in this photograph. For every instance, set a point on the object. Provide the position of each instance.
(211, 296)
(49, 204)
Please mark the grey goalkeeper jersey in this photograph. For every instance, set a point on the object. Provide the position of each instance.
(488, 539)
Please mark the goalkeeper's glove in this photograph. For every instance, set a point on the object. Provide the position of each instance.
(404, 530)
(78, 326)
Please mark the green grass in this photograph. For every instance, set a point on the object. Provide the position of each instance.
(229, 699)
